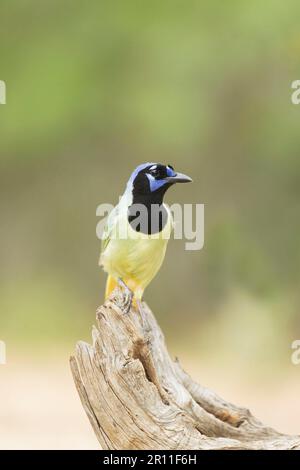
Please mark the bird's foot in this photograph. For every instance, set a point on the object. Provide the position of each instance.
(128, 296)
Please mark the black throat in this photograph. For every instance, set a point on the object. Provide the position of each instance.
(154, 216)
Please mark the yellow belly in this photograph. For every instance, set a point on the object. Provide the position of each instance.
(136, 259)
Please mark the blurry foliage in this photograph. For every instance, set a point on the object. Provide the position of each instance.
(95, 88)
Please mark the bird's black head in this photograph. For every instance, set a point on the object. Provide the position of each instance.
(148, 184)
(150, 181)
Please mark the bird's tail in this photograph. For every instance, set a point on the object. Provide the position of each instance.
(111, 284)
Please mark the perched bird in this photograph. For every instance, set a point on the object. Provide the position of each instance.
(134, 246)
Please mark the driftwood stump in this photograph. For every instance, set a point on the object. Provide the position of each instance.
(137, 397)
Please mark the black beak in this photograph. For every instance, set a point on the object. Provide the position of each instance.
(179, 178)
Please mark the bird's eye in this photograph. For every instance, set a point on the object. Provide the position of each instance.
(154, 172)
(158, 171)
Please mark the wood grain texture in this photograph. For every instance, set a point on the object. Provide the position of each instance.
(137, 397)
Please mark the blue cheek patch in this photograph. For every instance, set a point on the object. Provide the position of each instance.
(155, 184)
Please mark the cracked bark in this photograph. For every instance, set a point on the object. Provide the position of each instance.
(137, 397)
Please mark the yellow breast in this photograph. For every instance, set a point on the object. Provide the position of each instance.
(137, 257)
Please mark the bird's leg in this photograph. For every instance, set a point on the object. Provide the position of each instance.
(128, 295)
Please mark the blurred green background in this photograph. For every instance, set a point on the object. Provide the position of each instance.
(95, 88)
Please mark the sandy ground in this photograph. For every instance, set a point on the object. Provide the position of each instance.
(40, 409)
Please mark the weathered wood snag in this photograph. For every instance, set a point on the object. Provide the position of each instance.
(137, 397)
